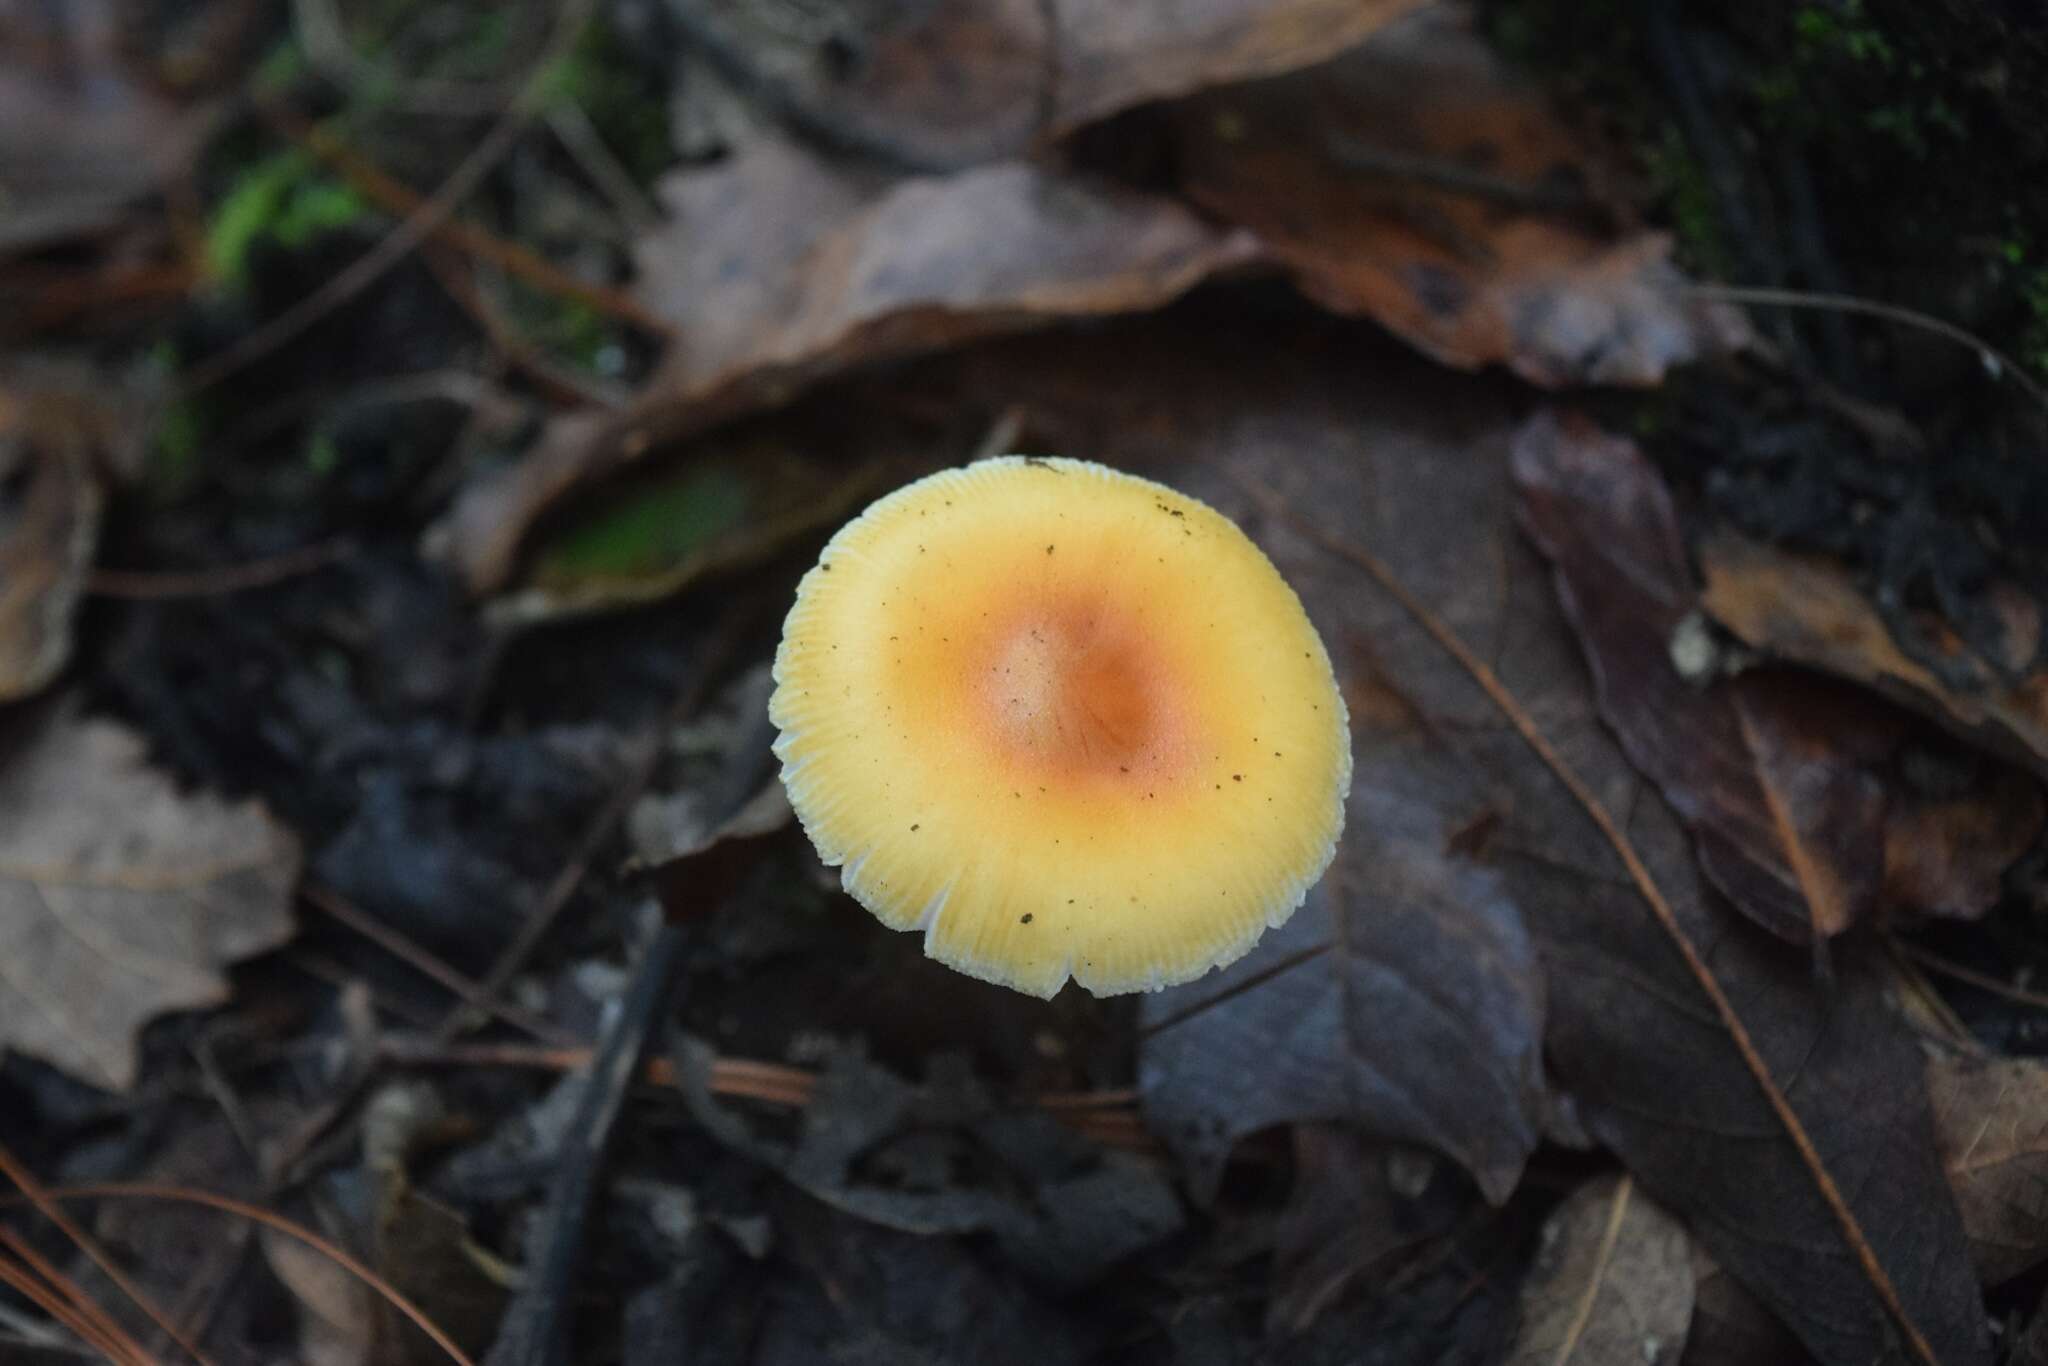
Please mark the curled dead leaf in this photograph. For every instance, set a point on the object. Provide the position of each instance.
(1419, 182)
(1811, 610)
(853, 271)
(780, 269)
(1794, 785)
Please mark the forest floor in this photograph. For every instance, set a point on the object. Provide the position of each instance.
(415, 420)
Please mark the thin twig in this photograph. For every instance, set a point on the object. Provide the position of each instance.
(340, 909)
(408, 234)
(1982, 981)
(581, 139)
(1238, 988)
(142, 1190)
(535, 1329)
(1108, 1115)
(1582, 1314)
(2001, 365)
(717, 653)
(33, 1192)
(157, 585)
(559, 383)
(511, 257)
(1652, 894)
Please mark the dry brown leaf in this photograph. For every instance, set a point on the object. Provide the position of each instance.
(1613, 1285)
(1810, 610)
(1113, 56)
(949, 85)
(122, 898)
(848, 272)
(50, 499)
(1795, 786)
(1993, 1120)
(779, 269)
(1418, 182)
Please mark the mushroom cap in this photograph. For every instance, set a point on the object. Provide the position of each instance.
(1065, 721)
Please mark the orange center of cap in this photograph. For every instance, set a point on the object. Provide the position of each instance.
(1076, 689)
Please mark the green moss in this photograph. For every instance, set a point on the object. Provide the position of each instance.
(285, 198)
(1921, 129)
(323, 455)
(651, 530)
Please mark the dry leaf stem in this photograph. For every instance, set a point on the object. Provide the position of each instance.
(1639, 873)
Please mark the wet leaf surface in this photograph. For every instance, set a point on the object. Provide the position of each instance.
(1793, 785)
(1403, 942)
(1418, 182)
(1612, 1285)
(121, 897)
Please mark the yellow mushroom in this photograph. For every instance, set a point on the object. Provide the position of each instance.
(1063, 720)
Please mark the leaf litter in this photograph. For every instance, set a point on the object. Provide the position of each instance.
(1477, 988)
(1631, 1015)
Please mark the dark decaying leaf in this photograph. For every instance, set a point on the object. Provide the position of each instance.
(1415, 460)
(1356, 1205)
(1612, 1285)
(1811, 610)
(1730, 1327)
(1792, 784)
(1417, 181)
(1993, 1118)
(953, 84)
(906, 1158)
(1405, 996)
(50, 498)
(878, 1297)
(121, 897)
